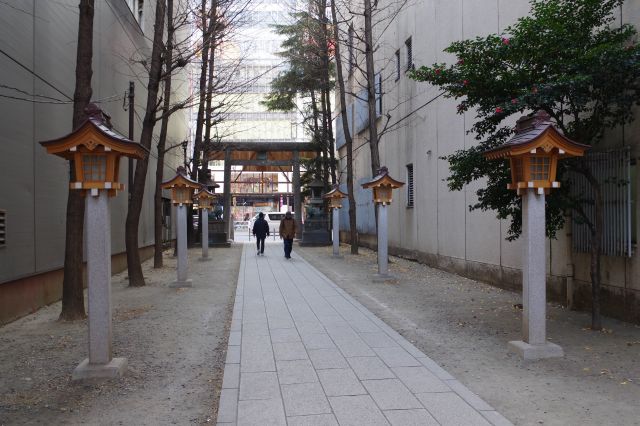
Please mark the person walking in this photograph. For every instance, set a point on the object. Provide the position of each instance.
(261, 231)
(287, 233)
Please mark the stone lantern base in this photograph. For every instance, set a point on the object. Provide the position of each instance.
(115, 368)
(530, 352)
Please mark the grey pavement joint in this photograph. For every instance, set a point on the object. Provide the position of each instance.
(302, 352)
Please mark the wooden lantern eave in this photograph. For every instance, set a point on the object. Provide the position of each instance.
(547, 142)
(380, 181)
(204, 195)
(335, 197)
(180, 181)
(93, 137)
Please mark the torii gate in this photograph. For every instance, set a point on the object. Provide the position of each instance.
(265, 157)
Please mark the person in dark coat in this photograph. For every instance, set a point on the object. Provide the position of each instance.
(261, 231)
(288, 233)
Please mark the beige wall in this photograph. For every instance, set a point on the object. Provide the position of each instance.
(41, 35)
(440, 229)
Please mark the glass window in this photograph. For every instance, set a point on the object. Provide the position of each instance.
(539, 167)
(94, 168)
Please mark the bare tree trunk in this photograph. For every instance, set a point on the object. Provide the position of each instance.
(134, 266)
(209, 95)
(316, 132)
(325, 141)
(347, 133)
(596, 241)
(197, 143)
(162, 141)
(371, 89)
(73, 283)
(327, 90)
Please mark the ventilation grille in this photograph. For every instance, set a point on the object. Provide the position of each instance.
(613, 169)
(410, 185)
(3, 228)
(409, 46)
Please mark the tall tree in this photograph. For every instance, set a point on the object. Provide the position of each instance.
(346, 131)
(569, 58)
(73, 283)
(164, 125)
(134, 266)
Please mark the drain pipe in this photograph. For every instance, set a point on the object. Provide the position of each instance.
(569, 267)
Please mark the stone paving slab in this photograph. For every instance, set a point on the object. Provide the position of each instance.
(303, 352)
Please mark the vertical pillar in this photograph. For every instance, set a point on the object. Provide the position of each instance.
(534, 343)
(227, 193)
(204, 224)
(336, 232)
(181, 220)
(383, 257)
(100, 364)
(297, 199)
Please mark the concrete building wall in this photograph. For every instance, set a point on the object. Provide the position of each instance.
(37, 65)
(439, 229)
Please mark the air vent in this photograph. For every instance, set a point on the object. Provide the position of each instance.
(3, 228)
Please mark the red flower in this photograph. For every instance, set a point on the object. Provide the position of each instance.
(505, 41)
(465, 82)
(438, 71)
(499, 110)
(461, 62)
(514, 101)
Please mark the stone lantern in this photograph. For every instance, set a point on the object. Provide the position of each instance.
(382, 186)
(205, 199)
(95, 149)
(335, 197)
(316, 224)
(182, 189)
(533, 154)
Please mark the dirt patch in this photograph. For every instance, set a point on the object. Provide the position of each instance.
(465, 325)
(175, 341)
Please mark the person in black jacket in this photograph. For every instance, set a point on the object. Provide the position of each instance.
(261, 231)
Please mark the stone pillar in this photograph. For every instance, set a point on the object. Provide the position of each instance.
(100, 364)
(181, 228)
(228, 222)
(383, 257)
(336, 232)
(297, 198)
(534, 343)
(204, 224)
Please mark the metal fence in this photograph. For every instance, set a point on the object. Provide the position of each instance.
(613, 170)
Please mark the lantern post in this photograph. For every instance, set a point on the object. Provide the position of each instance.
(95, 149)
(383, 186)
(533, 154)
(205, 199)
(181, 194)
(335, 197)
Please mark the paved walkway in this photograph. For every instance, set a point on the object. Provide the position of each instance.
(304, 352)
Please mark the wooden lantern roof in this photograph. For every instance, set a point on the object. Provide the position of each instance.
(383, 179)
(204, 193)
(335, 193)
(180, 179)
(94, 134)
(534, 133)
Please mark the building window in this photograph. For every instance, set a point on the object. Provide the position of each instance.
(410, 185)
(397, 64)
(409, 47)
(351, 50)
(137, 9)
(3, 228)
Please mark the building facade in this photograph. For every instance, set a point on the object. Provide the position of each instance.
(429, 222)
(37, 78)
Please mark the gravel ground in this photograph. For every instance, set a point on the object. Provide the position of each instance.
(174, 339)
(465, 325)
